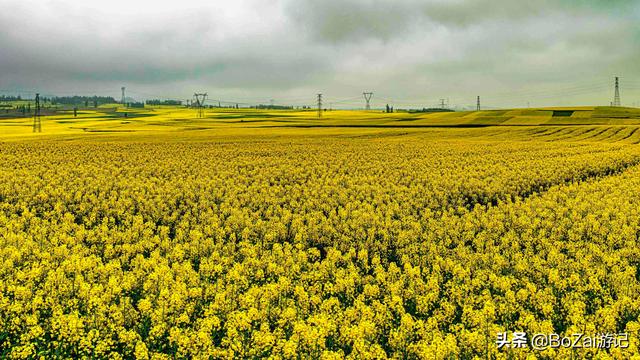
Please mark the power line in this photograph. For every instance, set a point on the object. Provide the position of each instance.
(522, 95)
(550, 94)
(338, 101)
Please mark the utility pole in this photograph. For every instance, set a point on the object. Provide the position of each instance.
(37, 123)
(367, 98)
(199, 99)
(616, 96)
(478, 104)
(319, 105)
(123, 98)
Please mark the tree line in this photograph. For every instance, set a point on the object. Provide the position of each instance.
(163, 102)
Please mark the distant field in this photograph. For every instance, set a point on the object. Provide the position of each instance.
(257, 234)
(178, 119)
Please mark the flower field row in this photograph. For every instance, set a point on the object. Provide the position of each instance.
(314, 247)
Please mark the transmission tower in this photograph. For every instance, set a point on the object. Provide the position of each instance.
(442, 104)
(367, 98)
(319, 105)
(478, 104)
(616, 96)
(123, 98)
(37, 123)
(198, 100)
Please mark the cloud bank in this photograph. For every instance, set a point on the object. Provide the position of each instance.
(408, 52)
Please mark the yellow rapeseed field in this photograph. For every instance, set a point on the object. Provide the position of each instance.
(268, 235)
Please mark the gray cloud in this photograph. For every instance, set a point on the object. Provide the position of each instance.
(405, 49)
(349, 21)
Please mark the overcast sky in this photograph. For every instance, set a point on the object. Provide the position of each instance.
(408, 52)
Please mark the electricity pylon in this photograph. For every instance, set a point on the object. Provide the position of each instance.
(37, 122)
(616, 96)
(199, 99)
(367, 98)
